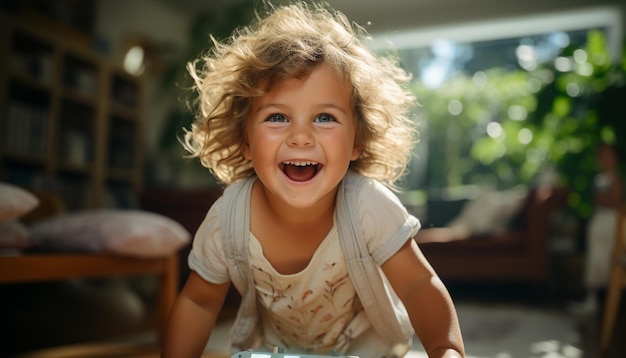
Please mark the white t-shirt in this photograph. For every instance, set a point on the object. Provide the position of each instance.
(316, 308)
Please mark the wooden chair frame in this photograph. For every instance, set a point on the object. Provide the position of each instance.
(51, 267)
(617, 282)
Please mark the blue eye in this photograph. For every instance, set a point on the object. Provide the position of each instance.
(324, 118)
(277, 117)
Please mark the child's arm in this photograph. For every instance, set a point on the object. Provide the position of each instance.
(192, 317)
(427, 301)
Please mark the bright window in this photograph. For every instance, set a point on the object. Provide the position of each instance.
(478, 81)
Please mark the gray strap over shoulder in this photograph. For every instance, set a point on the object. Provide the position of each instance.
(235, 231)
(362, 267)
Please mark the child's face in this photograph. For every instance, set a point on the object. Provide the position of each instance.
(301, 137)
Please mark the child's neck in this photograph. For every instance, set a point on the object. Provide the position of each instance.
(290, 216)
(289, 236)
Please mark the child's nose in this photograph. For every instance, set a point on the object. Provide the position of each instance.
(301, 134)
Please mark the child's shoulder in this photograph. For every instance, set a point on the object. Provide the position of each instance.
(362, 184)
(368, 193)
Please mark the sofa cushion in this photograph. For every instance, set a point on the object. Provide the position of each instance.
(490, 211)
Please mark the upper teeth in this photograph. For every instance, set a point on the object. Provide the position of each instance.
(299, 163)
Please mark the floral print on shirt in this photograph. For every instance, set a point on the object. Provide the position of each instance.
(315, 308)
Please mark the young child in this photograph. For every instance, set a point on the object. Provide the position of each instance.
(305, 125)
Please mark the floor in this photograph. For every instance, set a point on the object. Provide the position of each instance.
(582, 341)
(489, 314)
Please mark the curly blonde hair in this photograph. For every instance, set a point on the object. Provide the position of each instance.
(289, 43)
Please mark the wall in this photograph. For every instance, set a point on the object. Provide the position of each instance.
(117, 22)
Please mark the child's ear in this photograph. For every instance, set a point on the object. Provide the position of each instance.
(245, 150)
(356, 152)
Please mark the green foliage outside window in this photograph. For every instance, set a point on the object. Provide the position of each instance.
(459, 114)
(579, 123)
(500, 128)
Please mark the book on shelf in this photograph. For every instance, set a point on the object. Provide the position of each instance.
(121, 196)
(25, 129)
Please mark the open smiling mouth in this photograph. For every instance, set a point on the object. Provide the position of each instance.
(300, 171)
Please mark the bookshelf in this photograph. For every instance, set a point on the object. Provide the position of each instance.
(71, 121)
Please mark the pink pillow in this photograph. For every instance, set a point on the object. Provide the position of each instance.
(131, 233)
(15, 202)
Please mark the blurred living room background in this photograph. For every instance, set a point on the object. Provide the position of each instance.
(514, 97)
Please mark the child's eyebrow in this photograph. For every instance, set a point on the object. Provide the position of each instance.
(335, 106)
(321, 106)
(269, 105)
